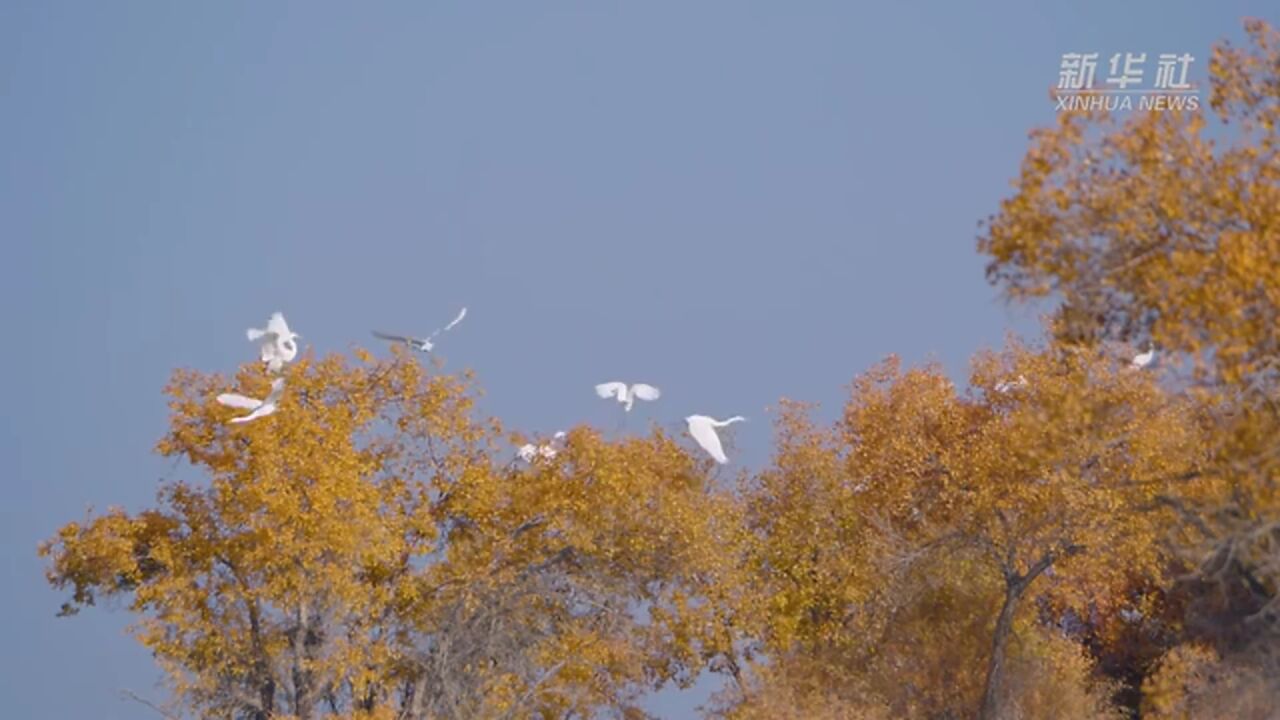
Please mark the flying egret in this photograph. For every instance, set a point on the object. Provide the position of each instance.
(530, 452)
(279, 343)
(703, 430)
(259, 408)
(421, 344)
(628, 395)
(1145, 359)
(1011, 385)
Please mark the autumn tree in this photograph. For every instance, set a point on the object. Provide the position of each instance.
(962, 517)
(370, 550)
(373, 550)
(1164, 227)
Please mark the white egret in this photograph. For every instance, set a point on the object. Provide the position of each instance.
(423, 344)
(703, 430)
(419, 344)
(259, 408)
(1145, 359)
(530, 452)
(628, 395)
(1011, 385)
(279, 343)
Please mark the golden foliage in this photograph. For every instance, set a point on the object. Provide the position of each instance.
(1160, 227)
(368, 549)
(371, 550)
(925, 512)
(1193, 683)
(1148, 226)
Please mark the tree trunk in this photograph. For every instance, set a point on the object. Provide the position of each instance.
(303, 697)
(995, 666)
(263, 680)
(415, 708)
(1014, 586)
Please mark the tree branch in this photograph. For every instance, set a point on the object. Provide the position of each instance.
(131, 695)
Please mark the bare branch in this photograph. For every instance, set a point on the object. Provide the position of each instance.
(131, 695)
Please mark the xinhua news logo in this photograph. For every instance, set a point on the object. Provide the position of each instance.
(1124, 88)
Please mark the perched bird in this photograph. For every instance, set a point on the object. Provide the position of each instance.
(1011, 385)
(530, 452)
(1145, 359)
(703, 430)
(628, 395)
(279, 343)
(259, 408)
(424, 344)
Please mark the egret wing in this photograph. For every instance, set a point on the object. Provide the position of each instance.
(456, 320)
(241, 402)
(612, 389)
(262, 411)
(277, 325)
(645, 392)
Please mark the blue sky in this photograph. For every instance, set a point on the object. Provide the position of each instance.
(735, 201)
